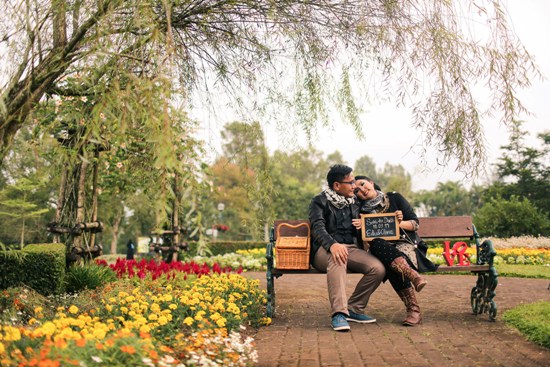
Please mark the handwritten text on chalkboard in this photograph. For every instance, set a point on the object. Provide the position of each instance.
(383, 226)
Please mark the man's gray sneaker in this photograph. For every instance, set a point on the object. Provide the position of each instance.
(339, 322)
(362, 319)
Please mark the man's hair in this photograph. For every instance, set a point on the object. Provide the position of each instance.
(337, 173)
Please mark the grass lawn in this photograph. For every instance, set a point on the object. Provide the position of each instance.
(523, 271)
(532, 320)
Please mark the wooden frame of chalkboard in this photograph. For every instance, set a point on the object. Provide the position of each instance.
(381, 225)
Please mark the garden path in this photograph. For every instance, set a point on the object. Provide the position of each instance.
(301, 336)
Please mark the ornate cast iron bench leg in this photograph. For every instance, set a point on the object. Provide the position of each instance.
(483, 293)
(270, 278)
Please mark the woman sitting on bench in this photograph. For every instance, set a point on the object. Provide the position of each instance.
(401, 258)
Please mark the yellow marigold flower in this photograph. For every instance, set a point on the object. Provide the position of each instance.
(221, 322)
(73, 309)
(33, 321)
(11, 333)
(109, 308)
(145, 329)
(48, 328)
(99, 333)
(38, 309)
(162, 320)
(173, 306)
(188, 321)
(2, 349)
(152, 317)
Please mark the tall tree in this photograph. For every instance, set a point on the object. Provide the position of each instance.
(15, 204)
(244, 149)
(448, 198)
(300, 55)
(365, 166)
(524, 171)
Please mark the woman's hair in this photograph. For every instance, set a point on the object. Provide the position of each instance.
(360, 177)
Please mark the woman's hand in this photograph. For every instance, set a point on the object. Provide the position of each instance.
(399, 215)
(357, 223)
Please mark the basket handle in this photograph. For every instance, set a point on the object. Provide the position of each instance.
(293, 226)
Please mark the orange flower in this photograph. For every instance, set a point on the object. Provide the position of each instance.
(81, 342)
(48, 363)
(144, 335)
(99, 346)
(153, 354)
(60, 343)
(128, 349)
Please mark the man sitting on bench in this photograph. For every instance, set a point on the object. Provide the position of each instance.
(337, 248)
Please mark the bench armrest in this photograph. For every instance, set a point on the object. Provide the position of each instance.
(485, 252)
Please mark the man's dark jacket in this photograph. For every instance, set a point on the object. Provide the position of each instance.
(322, 218)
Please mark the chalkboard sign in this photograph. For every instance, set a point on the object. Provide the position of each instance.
(384, 225)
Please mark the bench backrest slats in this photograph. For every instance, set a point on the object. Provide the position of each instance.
(430, 227)
(446, 227)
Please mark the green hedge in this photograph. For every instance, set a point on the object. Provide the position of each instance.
(224, 247)
(39, 266)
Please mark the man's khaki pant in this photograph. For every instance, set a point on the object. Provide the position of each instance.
(359, 261)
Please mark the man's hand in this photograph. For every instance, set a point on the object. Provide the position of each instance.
(340, 253)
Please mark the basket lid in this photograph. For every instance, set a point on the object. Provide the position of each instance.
(292, 242)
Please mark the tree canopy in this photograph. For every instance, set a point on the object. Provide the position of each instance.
(298, 60)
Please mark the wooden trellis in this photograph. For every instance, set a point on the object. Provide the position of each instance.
(76, 222)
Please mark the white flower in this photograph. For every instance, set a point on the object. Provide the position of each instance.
(96, 359)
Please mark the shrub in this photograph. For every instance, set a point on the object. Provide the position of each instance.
(513, 217)
(88, 276)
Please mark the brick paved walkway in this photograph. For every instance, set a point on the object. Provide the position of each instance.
(450, 335)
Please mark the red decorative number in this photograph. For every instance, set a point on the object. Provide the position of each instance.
(459, 250)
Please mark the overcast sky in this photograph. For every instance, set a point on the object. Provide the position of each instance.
(529, 19)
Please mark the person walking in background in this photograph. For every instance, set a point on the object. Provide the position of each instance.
(336, 248)
(402, 258)
(130, 250)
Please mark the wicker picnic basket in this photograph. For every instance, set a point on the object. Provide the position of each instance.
(292, 252)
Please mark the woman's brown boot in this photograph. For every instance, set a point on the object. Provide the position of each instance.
(413, 310)
(401, 265)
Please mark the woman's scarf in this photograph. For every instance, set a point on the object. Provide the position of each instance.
(338, 200)
(379, 204)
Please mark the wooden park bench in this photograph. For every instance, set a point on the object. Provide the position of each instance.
(459, 229)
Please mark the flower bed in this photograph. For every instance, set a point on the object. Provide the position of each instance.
(154, 315)
(531, 256)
